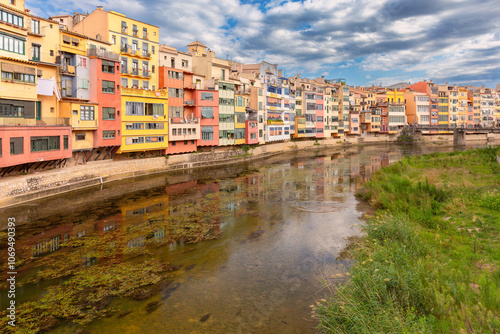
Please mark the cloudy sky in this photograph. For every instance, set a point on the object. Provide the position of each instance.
(364, 41)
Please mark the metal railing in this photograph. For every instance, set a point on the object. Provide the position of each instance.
(103, 54)
(45, 121)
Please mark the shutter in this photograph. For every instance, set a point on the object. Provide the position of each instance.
(75, 40)
(128, 140)
(69, 87)
(66, 39)
(18, 145)
(29, 109)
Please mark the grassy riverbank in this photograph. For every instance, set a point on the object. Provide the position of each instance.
(431, 256)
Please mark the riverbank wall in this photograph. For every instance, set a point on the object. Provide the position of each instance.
(23, 188)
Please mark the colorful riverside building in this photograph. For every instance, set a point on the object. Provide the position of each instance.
(432, 91)
(90, 90)
(32, 133)
(215, 72)
(144, 121)
(277, 100)
(175, 75)
(464, 119)
(417, 107)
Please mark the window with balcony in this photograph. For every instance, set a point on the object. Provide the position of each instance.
(135, 32)
(87, 113)
(145, 85)
(124, 27)
(145, 68)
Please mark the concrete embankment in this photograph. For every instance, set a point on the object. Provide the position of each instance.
(22, 188)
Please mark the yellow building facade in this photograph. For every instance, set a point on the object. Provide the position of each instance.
(144, 106)
(240, 102)
(144, 120)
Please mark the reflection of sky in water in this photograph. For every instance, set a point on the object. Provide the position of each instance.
(260, 281)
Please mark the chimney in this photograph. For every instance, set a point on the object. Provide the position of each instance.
(298, 76)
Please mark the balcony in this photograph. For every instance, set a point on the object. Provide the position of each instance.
(68, 69)
(145, 35)
(190, 103)
(78, 124)
(135, 33)
(126, 49)
(129, 91)
(103, 54)
(145, 54)
(46, 121)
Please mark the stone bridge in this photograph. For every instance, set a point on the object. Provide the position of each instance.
(458, 133)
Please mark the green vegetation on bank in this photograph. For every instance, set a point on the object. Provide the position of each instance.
(430, 260)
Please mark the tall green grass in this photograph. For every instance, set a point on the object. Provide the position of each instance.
(429, 262)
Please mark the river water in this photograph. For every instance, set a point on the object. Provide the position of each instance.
(247, 248)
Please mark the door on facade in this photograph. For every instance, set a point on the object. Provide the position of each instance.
(38, 110)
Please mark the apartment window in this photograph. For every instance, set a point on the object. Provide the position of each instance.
(108, 134)
(18, 77)
(156, 139)
(124, 82)
(155, 126)
(16, 145)
(80, 136)
(134, 126)
(87, 113)
(35, 26)
(65, 142)
(108, 87)
(153, 68)
(134, 108)
(145, 33)
(0, 147)
(145, 68)
(134, 30)
(40, 144)
(135, 67)
(260, 92)
(108, 66)
(223, 74)
(145, 85)
(260, 106)
(260, 133)
(135, 83)
(152, 49)
(83, 83)
(124, 27)
(185, 63)
(11, 18)
(207, 133)
(207, 112)
(11, 44)
(113, 39)
(82, 62)
(174, 132)
(145, 49)
(154, 109)
(172, 62)
(108, 113)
